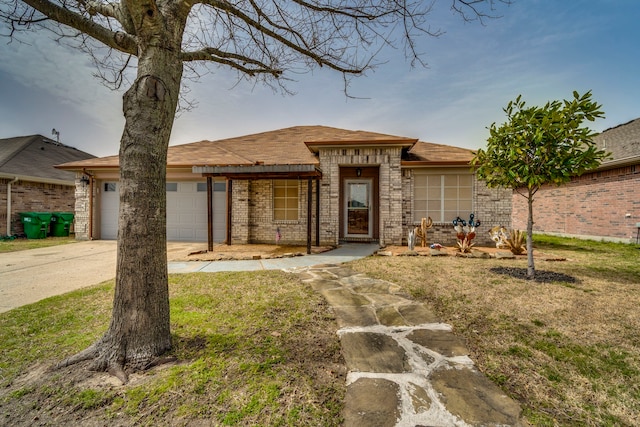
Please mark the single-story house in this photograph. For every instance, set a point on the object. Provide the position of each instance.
(603, 204)
(313, 184)
(30, 183)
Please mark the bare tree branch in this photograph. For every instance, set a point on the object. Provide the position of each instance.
(113, 39)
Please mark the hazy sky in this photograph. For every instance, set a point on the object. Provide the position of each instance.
(542, 49)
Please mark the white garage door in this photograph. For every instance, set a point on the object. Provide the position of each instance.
(186, 211)
(109, 202)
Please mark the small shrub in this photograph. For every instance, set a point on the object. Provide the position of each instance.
(517, 242)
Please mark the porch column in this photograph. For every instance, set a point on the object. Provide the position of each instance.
(317, 212)
(229, 210)
(309, 196)
(210, 213)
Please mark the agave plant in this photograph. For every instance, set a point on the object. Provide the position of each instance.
(517, 241)
(465, 245)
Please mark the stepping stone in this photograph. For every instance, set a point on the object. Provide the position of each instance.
(443, 342)
(417, 314)
(389, 316)
(468, 394)
(373, 352)
(372, 402)
(343, 297)
(355, 316)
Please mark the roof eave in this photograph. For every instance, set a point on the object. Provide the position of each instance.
(29, 178)
(408, 163)
(260, 171)
(315, 145)
(627, 161)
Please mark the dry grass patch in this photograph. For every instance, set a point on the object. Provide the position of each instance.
(255, 348)
(568, 348)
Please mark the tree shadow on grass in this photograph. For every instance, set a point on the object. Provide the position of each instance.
(540, 277)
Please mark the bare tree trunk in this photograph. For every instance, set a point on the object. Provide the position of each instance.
(531, 270)
(139, 331)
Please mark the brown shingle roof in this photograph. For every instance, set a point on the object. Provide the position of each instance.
(290, 146)
(427, 153)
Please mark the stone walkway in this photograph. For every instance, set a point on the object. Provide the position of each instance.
(405, 368)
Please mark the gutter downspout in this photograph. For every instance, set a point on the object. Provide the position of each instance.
(15, 179)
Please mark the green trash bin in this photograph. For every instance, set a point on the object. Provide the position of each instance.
(61, 223)
(36, 224)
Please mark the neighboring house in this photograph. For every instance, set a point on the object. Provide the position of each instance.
(312, 184)
(603, 204)
(30, 183)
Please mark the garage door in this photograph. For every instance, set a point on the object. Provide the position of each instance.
(186, 211)
(109, 202)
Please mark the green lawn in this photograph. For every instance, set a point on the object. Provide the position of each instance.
(567, 348)
(260, 348)
(253, 349)
(24, 244)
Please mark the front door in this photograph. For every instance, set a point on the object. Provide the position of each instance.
(358, 212)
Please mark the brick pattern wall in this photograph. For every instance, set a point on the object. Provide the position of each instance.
(240, 212)
(82, 210)
(262, 226)
(390, 201)
(491, 206)
(253, 204)
(29, 196)
(594, 205)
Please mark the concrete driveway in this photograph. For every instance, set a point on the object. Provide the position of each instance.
(31, 275)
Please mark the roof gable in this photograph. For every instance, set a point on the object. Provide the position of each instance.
(35, 156)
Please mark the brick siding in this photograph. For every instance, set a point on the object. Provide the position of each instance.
(29, 196)
(594, 205)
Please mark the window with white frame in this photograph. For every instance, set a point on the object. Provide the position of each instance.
(443, 196)
(285, 200)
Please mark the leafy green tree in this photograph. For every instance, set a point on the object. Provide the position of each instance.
(538, 146)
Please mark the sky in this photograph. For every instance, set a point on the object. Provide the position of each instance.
(540, 49)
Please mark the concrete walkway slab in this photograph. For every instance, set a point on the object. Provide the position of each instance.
(32, 275)
(345, 253)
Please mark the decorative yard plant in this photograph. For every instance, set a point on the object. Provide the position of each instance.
(516, 241)
(465, 233)
(421, 231)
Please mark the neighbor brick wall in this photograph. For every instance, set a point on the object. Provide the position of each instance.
(29, 196)
(594, 205)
